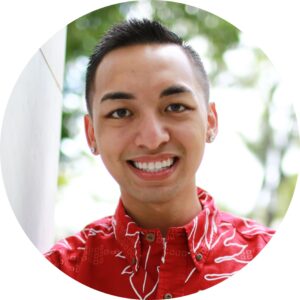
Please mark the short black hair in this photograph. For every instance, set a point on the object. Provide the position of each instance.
(138, 32)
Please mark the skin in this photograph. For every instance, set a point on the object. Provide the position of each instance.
(148, 105)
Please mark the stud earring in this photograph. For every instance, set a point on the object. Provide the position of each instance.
(93, 150)
(211, 136)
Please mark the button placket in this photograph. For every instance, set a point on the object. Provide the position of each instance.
(133, 261)
(168, 296)
(150, 237)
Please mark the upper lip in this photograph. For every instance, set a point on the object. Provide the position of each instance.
(152, 158)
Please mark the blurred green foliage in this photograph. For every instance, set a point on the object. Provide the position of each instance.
(91, 27)
(188, 22)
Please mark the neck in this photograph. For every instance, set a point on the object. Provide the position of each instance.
(174, 212)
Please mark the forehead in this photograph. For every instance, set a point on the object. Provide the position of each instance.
(145, 51)
(145, 66)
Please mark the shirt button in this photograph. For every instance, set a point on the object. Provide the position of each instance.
(133, 261)
(150, 237)
(199, 256)
(168, 296)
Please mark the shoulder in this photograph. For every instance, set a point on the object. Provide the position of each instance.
(247, 229)
(67, 252)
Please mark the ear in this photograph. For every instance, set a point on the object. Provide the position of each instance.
(212, 123)
(90, 134)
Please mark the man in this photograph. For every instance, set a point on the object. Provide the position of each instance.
(149, 119)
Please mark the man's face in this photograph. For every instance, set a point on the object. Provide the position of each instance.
(150, 121)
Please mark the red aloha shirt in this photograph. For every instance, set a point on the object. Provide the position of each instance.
(115, 256)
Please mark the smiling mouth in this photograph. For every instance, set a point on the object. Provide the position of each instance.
(154, 166)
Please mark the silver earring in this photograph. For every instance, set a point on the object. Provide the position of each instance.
(93, 150)
(211, 136)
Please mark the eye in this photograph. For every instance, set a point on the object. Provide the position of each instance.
(120, 113)
(176, 107)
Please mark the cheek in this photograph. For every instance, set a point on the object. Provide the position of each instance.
(193, 138)
(111, 142)
(193, 133)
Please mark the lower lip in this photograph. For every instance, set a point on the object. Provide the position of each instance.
(160, 175)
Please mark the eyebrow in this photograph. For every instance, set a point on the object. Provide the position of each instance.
(172, 90)
(117, 96)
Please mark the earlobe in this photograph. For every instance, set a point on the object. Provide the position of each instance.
(90, 134)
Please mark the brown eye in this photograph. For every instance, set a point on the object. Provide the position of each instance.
(120, 113)
(176, 107)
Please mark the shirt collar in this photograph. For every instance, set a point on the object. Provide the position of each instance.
(200, 233)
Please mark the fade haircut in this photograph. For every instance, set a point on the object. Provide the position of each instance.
(138, 32)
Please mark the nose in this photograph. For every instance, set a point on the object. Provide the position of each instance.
(151, 133)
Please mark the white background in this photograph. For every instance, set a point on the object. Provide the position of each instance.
(26, 25)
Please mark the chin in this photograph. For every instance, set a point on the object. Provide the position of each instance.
(154, 194)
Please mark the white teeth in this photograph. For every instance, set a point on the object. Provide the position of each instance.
(158, 165)
(151, 166)
(154, 166)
